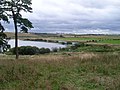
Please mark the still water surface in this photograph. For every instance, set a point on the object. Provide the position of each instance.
(35, 43)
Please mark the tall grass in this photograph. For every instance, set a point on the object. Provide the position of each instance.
(70, 71)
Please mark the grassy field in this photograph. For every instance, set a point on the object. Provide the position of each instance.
(99, 39)
(21, 35)
(92, 66)
(61, 71)
(110, 41)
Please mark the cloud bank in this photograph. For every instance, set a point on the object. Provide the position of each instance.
(76, 16)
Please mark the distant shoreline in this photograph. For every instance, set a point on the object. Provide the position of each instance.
(67, 34)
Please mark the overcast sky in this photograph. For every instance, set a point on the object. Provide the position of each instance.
(76, 16)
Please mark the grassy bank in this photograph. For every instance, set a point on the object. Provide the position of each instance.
(61, 71)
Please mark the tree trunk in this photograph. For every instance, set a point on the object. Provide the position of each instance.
(16, 35)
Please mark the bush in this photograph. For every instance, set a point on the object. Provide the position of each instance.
(64, 49)
(56, 41)
(79, 44)
(63, 43)
(50, 41)
(54, 49)
(73, 47)
(29, 50)
(44, 50)
(44, 40)
(68, 42)
(76, 45)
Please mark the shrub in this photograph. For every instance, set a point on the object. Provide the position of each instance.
(44, 40)
(61, 36)
(68, 42)
(50, 41)
(54, 49)
(29, 50)
(11, 51)
(44, 50)
(73, 47)
(56, 41)
(26, 50)
(76, 45)
(64, 49)
(47, 50)
(63, 43)
(40, 39)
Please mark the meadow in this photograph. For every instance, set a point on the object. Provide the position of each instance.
(94, 65)
(102, 39)
(61, 71)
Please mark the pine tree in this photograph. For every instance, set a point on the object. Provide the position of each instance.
(13, 9)
(3, 42)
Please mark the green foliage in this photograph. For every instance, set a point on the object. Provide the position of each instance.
(3, 42)
(73, 47)
(24, 29)
(29, 50)
(26, 50)
(68, 42)
(63, 43)
(82, 47)
(44, 50)
(3, 15)
(2, 35)
(4, 46)
(64, 49)
(25, 22)
(16, 6)
(77, 45)
(55, 49)
(12, 9)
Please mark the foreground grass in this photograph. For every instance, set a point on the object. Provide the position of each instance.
(66, 71)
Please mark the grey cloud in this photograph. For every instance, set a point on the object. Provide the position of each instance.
(76, 16)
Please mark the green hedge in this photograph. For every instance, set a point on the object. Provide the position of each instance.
(29, 50)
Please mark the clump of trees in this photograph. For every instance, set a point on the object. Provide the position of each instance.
(29, 50)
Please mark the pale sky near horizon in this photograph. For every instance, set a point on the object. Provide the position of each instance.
(88, 16)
